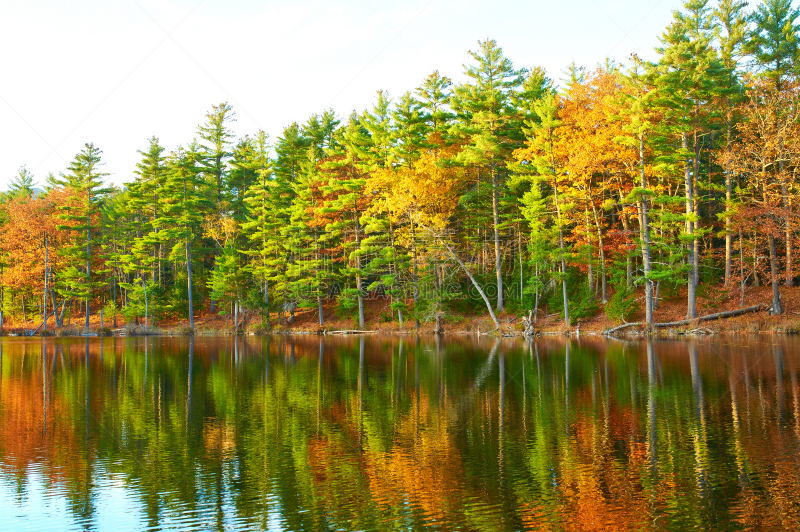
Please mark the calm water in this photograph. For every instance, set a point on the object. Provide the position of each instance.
(387, 433)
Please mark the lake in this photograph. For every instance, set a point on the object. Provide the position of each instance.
(399, 433)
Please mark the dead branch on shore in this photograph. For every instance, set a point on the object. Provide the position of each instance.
(708, 317)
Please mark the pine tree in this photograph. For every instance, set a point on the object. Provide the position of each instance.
(636, 111)
(263, 227)
(775, 45)
(291, 151)
(541, 159)
(144, 199)
(84, 178)
(217, 137)
(690, 77)
(185, 200)
(311, 268)
(21, 185)
(485, 120)
(346, 201)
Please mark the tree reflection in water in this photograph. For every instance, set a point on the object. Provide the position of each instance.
(387, 433)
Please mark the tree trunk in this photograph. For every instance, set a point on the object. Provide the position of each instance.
(590, 266)
(787, 207)
(358, 275)
(474, 282)
(773, 266)
(741, 268)
(189, 283)
(46, 257)
(644, 227)
(266, 304)
(563, 259)
(536, 300)
(416, 272)
(728, 201)
(691, 310)
(696, 205)
(602, 256)
(626, 227)
(498, 257)
(88, 273)
(521, 269)
(709, 317)
(55, 306)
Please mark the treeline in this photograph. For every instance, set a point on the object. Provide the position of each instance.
(506, 192)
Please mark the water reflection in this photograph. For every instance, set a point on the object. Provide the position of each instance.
(399, 433)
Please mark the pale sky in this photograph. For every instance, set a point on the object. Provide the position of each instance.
(116, 72)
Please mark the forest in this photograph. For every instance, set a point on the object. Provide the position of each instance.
(600, 190)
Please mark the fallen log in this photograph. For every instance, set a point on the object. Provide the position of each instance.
(708, 317)
(350, 331)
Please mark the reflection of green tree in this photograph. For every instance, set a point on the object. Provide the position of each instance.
(367, 434)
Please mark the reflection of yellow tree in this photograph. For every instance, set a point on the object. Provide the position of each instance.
(422, 468)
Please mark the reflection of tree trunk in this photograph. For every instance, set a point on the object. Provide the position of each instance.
(501, 424)
(319, 382)
(44, 387)
(700, 430)
(416, 388)
(361, 378)
(795, 399)
(566, 387)
(189, 383)
(652, 430)
(777, 355)
(538, 370)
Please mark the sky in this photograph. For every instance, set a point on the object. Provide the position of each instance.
(117, 72)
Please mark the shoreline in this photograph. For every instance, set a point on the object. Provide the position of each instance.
(721, 312)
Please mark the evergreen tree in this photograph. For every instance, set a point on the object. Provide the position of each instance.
(21, 185)
(263, 227)
(346, 201)
(485, 120)
(690, 77)
(186, 199)
(217, 137)
(775, 44)
(85, 180)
